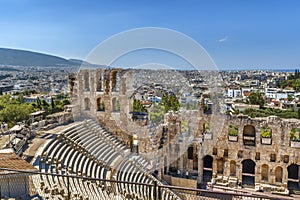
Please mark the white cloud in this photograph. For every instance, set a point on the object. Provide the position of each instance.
(224, 39)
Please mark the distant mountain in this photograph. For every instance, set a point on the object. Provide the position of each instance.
(18, 57)
(76, 61)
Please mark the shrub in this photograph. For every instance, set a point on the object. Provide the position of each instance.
(232, 130)
(294, 134)
(207, 128)
(266, 132)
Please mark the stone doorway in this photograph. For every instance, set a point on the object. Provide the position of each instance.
(207, 168)
(248, 172)
(293, 177)
(220, 166)
(232, 168)
(264, 172)
(278, 174)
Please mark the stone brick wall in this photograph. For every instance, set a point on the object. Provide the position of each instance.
(228, 154)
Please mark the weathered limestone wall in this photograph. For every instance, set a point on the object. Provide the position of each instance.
(279, 154)
(106, 94)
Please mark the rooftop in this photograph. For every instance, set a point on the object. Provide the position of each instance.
(8, 159)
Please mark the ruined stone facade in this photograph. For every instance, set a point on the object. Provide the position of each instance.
(103, 94)
(192, 144)
(248, 157)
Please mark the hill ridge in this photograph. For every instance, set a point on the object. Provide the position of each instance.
(18, 57)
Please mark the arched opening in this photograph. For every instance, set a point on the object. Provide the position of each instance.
(249, 135)
(264, 172)
(278, 174)
(106, 81)
(99, 81)
(248, 172)
(195, 162)
(293, 177)
(100, 104)
(87, 104)
(115, 105)
(114, 81)
(86, 81)
(232, 168)
(207, 168)
(220, 166)
(190, 152)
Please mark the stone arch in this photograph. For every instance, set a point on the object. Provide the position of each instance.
(249, 130)
(114, 80)
(293, 177)
(248, 172)
(232, 168)
(99, 81)
(86, 81)
(278, 174)
(100, 104)
(220, 166)
(115, 104)
(106, 81)
(249, 135)
(207, 168)
(264, 172)
(87, 104)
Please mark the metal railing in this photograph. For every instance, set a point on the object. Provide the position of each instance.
(156, 189)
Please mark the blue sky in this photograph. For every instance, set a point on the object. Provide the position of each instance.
(237, 34)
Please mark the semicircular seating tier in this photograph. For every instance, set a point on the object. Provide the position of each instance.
(86, 149)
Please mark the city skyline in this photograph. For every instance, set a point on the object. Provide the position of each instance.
(236, 34)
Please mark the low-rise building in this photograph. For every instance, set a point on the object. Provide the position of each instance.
(14, 184)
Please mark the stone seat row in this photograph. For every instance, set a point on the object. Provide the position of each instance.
(88, 150)
(74, 163)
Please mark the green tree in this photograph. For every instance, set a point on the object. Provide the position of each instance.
(20, 98)
(138, 107)
(290, 97)
(157, 114)
(14, 113)
(65, 102)
(38, 102)
(45, 105)
(53, 108)
(292, 81)
(170, 102)
(257, 98)
(102, 105)
(29, 92)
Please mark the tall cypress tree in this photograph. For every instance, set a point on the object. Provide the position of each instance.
(52, 106)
